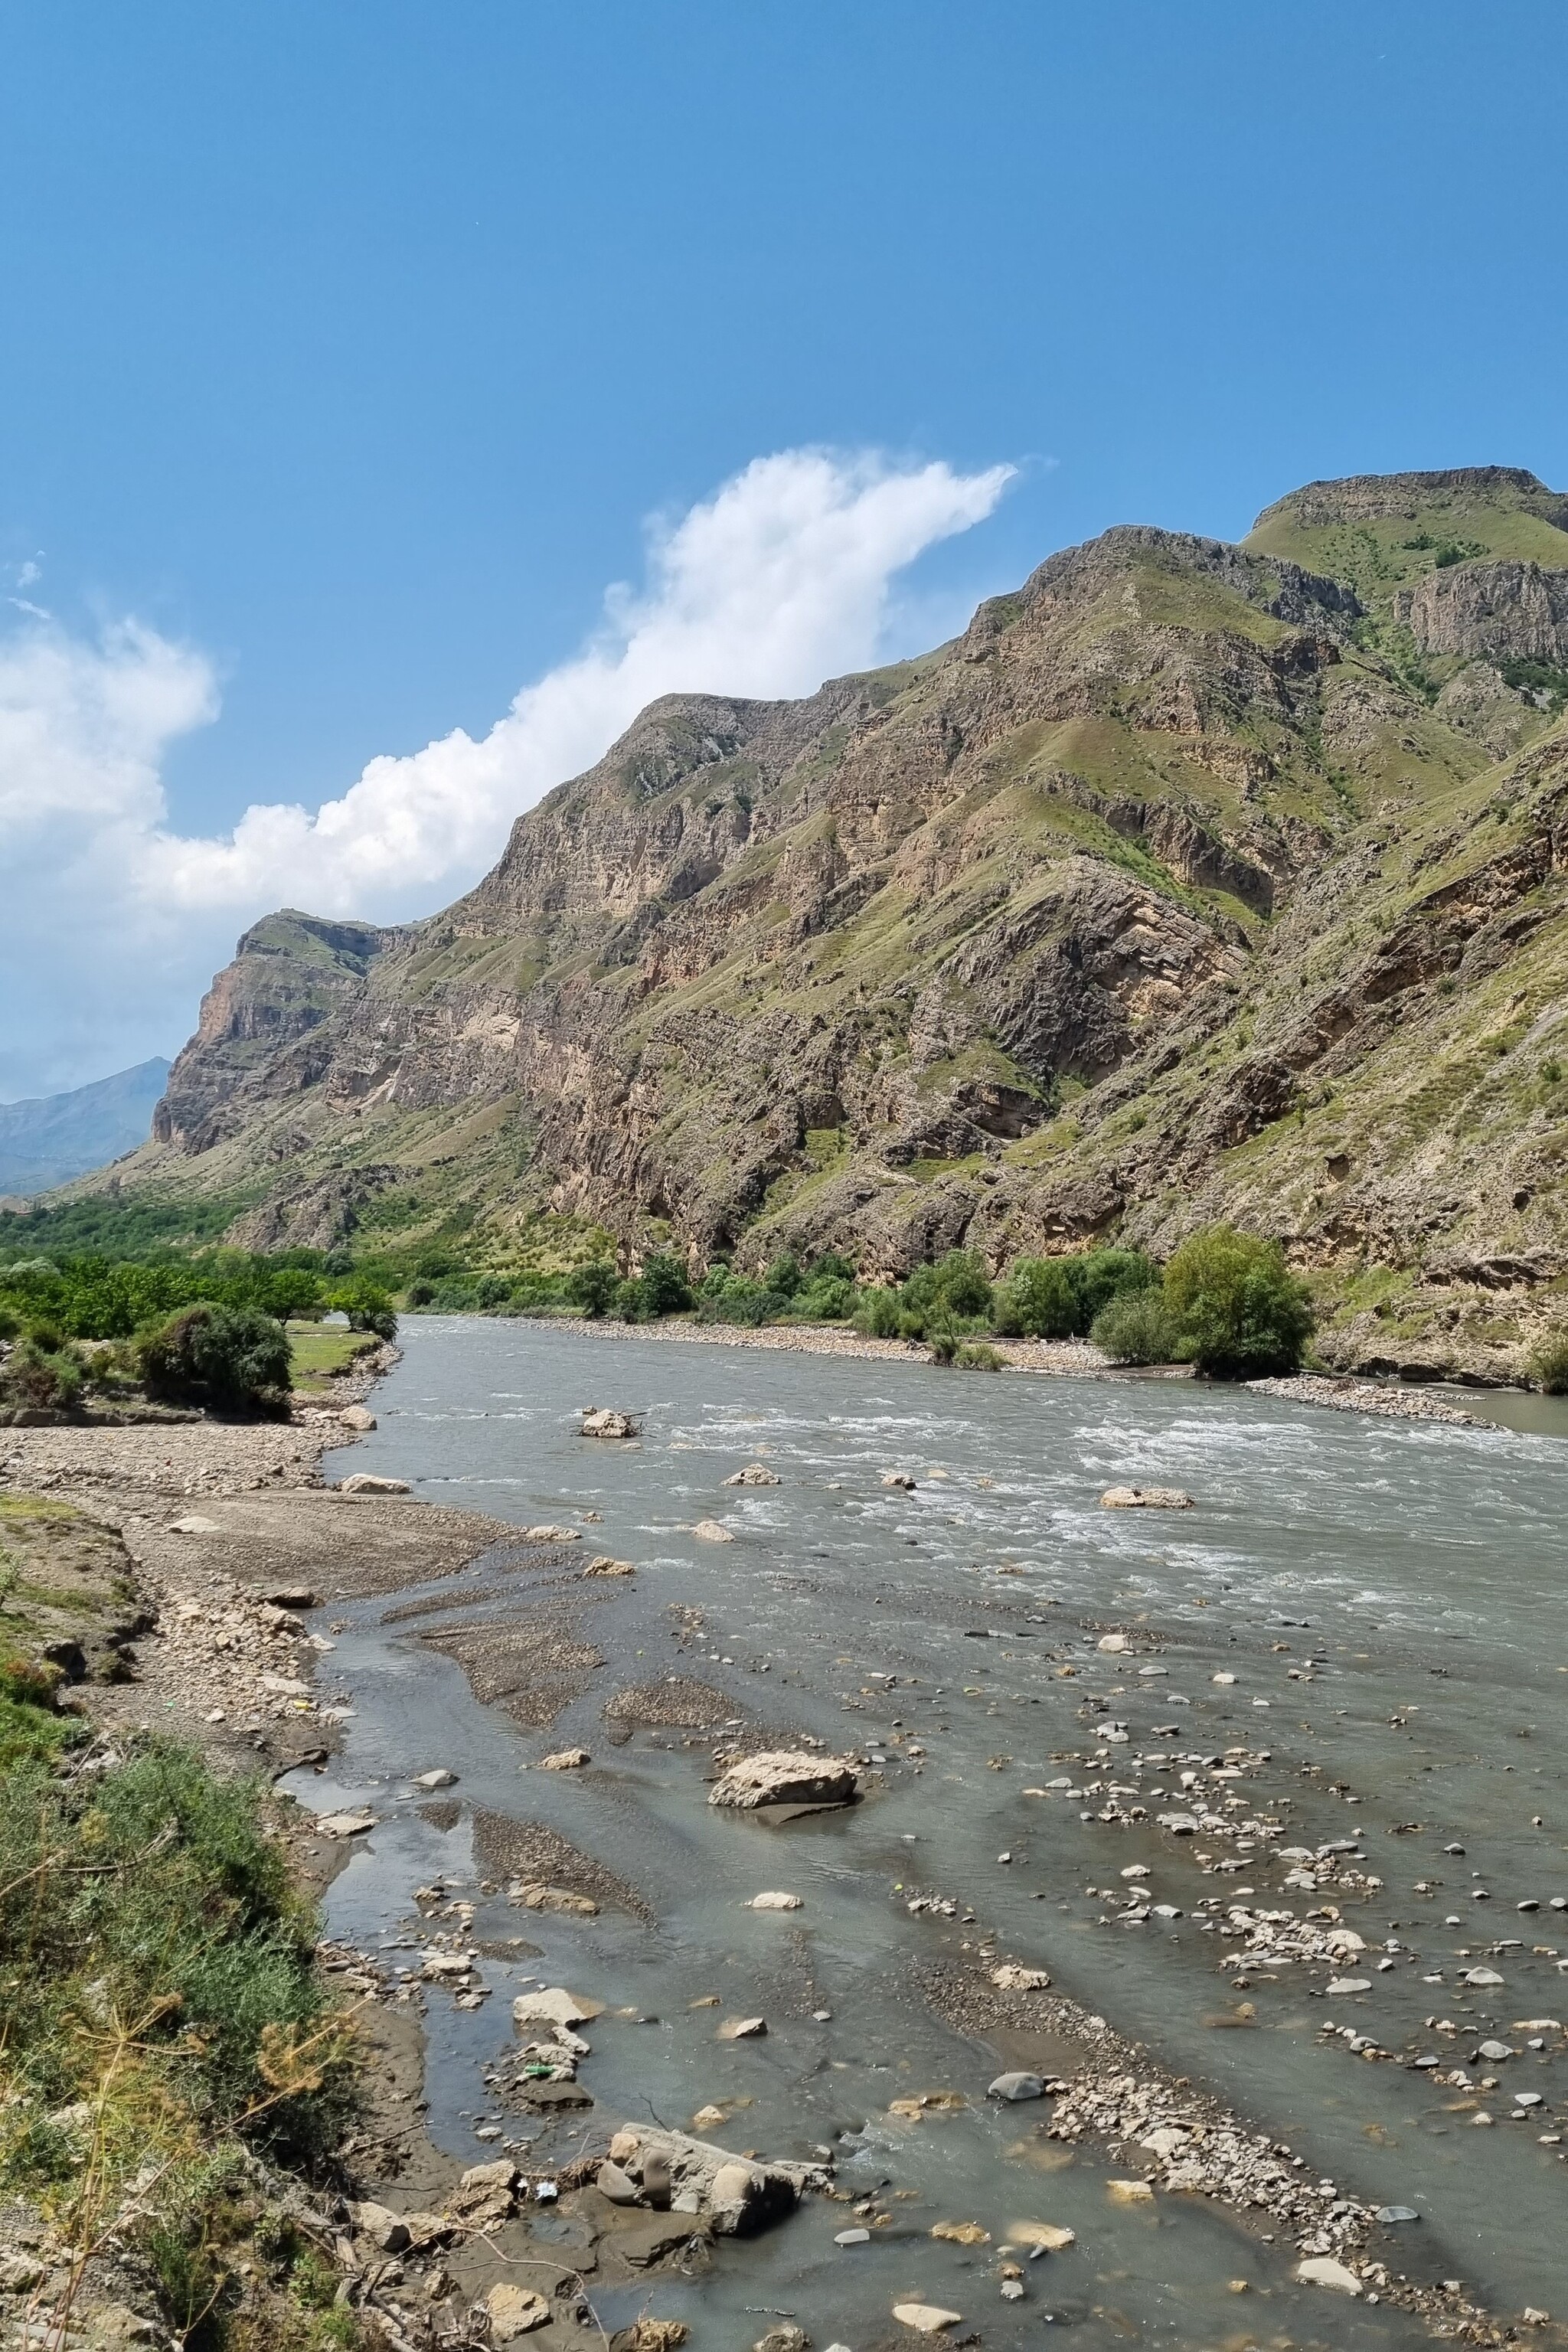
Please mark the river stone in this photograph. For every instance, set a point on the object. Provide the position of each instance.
(1322, 2270)
(787, 2339)
(852, 2238)
(755, 1473)
(1480, 1977)
(565, 1760)
(289, 1596)
(712, 1531)
(388, 2232)
(602, 1421)
(553, 2006)
(357, 1416)
(774, 1901)
(367, 1482)
(604, 1563)
(1131, 2193)
(1014, 1979)
(537, 1896)
(1390, 2215)
(514, 2311)
(1040, 2237)
(926, 2318)
(1493, 2050)
(899, 1478)
(785, 1777)
(1014, 2086)
(743, 2029)
(1112, 1642)
(193, 1524)
(1350, 1984)
(341, 1826)
(1145, 1499)
(617, 2186)
(550, 1533)
(441, 1778)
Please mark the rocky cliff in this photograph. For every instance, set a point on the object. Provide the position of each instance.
(1191, 880)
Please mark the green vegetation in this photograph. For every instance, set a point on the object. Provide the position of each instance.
(203, 1328)
(1138, 1328)
(165, 2025)
(227, 1358)
(1549, 1366)
(1240, 1313)
(1059, 1297)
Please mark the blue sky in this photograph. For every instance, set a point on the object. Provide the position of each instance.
(349, 351)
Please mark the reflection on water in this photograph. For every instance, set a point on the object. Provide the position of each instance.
(1388, 1597)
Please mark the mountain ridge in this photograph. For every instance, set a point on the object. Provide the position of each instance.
(47, 1140)
(1188, 874)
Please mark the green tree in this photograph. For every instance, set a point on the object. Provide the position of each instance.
(665, 1284)
(1241, 1314)
(591, 1287)
(234, 1359)
(367, 1306)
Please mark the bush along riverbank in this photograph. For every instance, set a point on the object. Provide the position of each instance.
(228, 1332)
(1226, 1304)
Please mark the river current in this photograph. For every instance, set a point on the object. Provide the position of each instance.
(1388, 1606)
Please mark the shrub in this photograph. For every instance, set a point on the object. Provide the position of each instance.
(955, 1289)
(1037, 1301)
(826, 1298)
(44, 1374)
(592, 1287)
(974, 1356)
(877, 1313)
(233, 1359)
(665, 1284)
(421, 1293)
(785, 1275)
(1240, 1312)
(1549, 1366)
(1138, 1328)
(1058, 1297)
(630, 1303)
(831, 1266)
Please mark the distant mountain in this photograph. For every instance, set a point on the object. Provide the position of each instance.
(1192, 881)
(52, 1137)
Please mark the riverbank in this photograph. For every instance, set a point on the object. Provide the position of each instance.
(280, 1577)
(173, 1571)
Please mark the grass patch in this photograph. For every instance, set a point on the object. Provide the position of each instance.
(316, 1352)
(163, 2022)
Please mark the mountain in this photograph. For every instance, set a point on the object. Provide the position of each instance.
(52, 1137)
(1193, 880)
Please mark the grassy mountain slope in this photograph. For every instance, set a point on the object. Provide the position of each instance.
(1190, 881)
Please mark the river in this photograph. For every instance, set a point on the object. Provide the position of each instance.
(1386, 1601)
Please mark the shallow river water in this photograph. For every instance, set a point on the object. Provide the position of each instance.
(1387, 1603)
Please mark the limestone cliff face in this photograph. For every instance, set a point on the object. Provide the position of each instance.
(291, 972)
(1490, 610)
(1161, 893)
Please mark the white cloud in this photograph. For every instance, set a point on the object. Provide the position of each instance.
(780, 579)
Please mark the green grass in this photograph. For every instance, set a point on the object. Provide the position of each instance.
(163, 2020)
(316, 1354)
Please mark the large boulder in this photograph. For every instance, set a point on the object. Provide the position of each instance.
(604, 1421)
(734, 2194)
(785, 1777)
